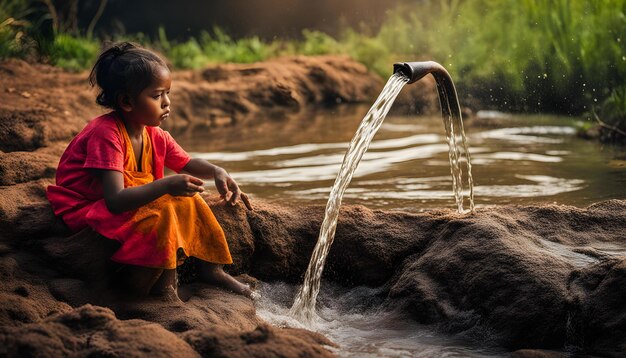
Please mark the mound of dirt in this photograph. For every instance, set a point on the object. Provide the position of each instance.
(521, 277)
(40, 104)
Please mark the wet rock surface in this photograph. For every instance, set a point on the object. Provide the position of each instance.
(534, 279)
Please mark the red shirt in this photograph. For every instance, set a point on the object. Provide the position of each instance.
(100, 146)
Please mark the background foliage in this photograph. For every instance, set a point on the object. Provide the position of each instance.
(528, 55)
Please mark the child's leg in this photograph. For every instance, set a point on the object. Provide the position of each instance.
(139, 280)
(167, 286)
(214, 273)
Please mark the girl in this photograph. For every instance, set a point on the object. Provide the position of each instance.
(110, 179)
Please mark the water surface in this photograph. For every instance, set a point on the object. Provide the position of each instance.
(528, 159)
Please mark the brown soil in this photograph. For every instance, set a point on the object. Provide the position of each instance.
(41, 104)
(524, 277)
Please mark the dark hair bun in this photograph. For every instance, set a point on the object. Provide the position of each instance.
(123, 69)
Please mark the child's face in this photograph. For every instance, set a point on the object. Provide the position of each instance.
(152, 105)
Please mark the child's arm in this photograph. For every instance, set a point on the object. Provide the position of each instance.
(226, 186)
(119, 199)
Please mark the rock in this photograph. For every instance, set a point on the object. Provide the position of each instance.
(23, 297)
(263, 341)
(521, 277)
(21, 130)
(25, 210)
(37, 318)
(91, 331)
(485, 273)
(21, 167)
(537, 353)
(597, 316)
(69, 255)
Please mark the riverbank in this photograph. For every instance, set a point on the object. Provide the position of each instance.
(520, 277)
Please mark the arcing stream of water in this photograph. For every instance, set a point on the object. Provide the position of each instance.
(303, 308)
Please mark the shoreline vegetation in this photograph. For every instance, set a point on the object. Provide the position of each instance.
(565, 57)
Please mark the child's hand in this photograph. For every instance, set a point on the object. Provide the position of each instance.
(183, 185)
(227, 187)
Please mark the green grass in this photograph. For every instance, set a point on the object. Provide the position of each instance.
(613, 109)
(556, 55)
(72, 52)
(15, 40)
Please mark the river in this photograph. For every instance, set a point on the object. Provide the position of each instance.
(528, 159)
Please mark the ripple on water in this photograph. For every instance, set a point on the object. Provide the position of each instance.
(518, 164)
(525, 134)
(436, 188)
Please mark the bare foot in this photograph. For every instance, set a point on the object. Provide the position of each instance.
(166, 287)
(214, 274)
(168, 294)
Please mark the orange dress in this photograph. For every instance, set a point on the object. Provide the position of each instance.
(151, 235)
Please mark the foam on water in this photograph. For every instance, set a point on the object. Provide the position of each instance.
(352, 319)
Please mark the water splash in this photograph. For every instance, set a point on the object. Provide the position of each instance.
(304, 305)
(357, 321)
(303, 308)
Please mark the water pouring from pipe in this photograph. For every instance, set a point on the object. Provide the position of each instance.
(452, 122)
(303, 308)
